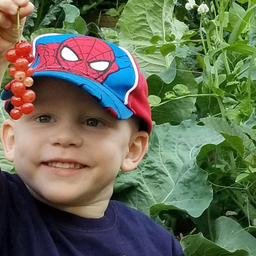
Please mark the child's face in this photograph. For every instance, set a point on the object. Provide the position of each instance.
(69, 150)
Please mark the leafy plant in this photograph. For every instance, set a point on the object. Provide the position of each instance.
(200, 66)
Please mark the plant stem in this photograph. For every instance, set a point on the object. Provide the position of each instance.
(225, 59)
(209, 223)
(201, 33)
(18, 24)
(187, 96)
(222, 110)
(250, 75)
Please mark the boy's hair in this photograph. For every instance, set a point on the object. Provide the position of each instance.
(107, 72)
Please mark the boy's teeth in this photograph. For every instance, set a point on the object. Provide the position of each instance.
(65, 165)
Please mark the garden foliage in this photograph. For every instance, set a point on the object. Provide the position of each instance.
(198, 178)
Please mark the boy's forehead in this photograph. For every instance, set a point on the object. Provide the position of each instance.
(51, 87)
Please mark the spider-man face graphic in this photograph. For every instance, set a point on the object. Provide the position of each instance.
(90, 57)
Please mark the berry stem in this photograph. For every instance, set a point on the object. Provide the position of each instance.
(18, 24)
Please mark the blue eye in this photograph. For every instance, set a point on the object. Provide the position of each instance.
(45, 119)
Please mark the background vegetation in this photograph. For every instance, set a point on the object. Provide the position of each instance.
(198, 177)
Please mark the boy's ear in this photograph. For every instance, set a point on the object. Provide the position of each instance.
(137, 149)
(7, 138)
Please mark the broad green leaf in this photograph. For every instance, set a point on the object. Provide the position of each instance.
(235, 141)
(71, 13)
(78, 25)
(168, 176)
(169, 74)
(251, 122)
(140, 21)
(236, 12)
(198, 245)
(233, 133)
(52, 14)
(177, 110)
(240, 24)
(231, 236)
(73, 20)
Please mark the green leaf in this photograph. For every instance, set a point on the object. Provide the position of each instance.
(251, 122)
(165, 49)
(169, 74)
(78, 25)
(150, 50)
(73, 20)
(234, 134)
(198, 245)
(154, 100)
(143, 19)
(155, 39)
(231, 236)
(71, 13)
(112, 12)
(173, 111)
(240, 24)
(236, 142)
(168, 176)
(53, 13)
(236, 12)
(181, 89)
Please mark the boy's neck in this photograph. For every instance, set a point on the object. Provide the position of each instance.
(93, 211)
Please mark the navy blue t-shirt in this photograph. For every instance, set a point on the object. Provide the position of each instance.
(29, 227)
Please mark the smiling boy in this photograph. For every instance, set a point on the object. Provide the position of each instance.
(91, 119)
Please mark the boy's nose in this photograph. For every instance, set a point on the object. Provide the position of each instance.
(67, 136)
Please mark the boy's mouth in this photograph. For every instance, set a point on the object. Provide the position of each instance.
(65, 165)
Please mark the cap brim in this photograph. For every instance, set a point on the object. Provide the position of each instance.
(105, 97)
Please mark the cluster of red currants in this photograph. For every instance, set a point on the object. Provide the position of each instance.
(21, 56)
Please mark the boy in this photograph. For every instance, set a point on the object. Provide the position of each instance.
(91, 118)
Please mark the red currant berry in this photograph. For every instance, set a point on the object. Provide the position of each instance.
(28, 81)
(30, 58)
(30, 72)
(27, 108)
(12, 71)
(20, 76)
(15, 113)
(21, 64)
(11, 55)
(28, 96)
(23, 49)
(18, 88)
(19, 42)
(16, 101)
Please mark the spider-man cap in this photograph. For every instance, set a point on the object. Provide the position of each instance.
(104, 70)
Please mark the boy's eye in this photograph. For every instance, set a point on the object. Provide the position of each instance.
(45, 119)
(93, 122)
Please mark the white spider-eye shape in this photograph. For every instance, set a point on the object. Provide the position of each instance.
(69, 55)
(101, 65)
